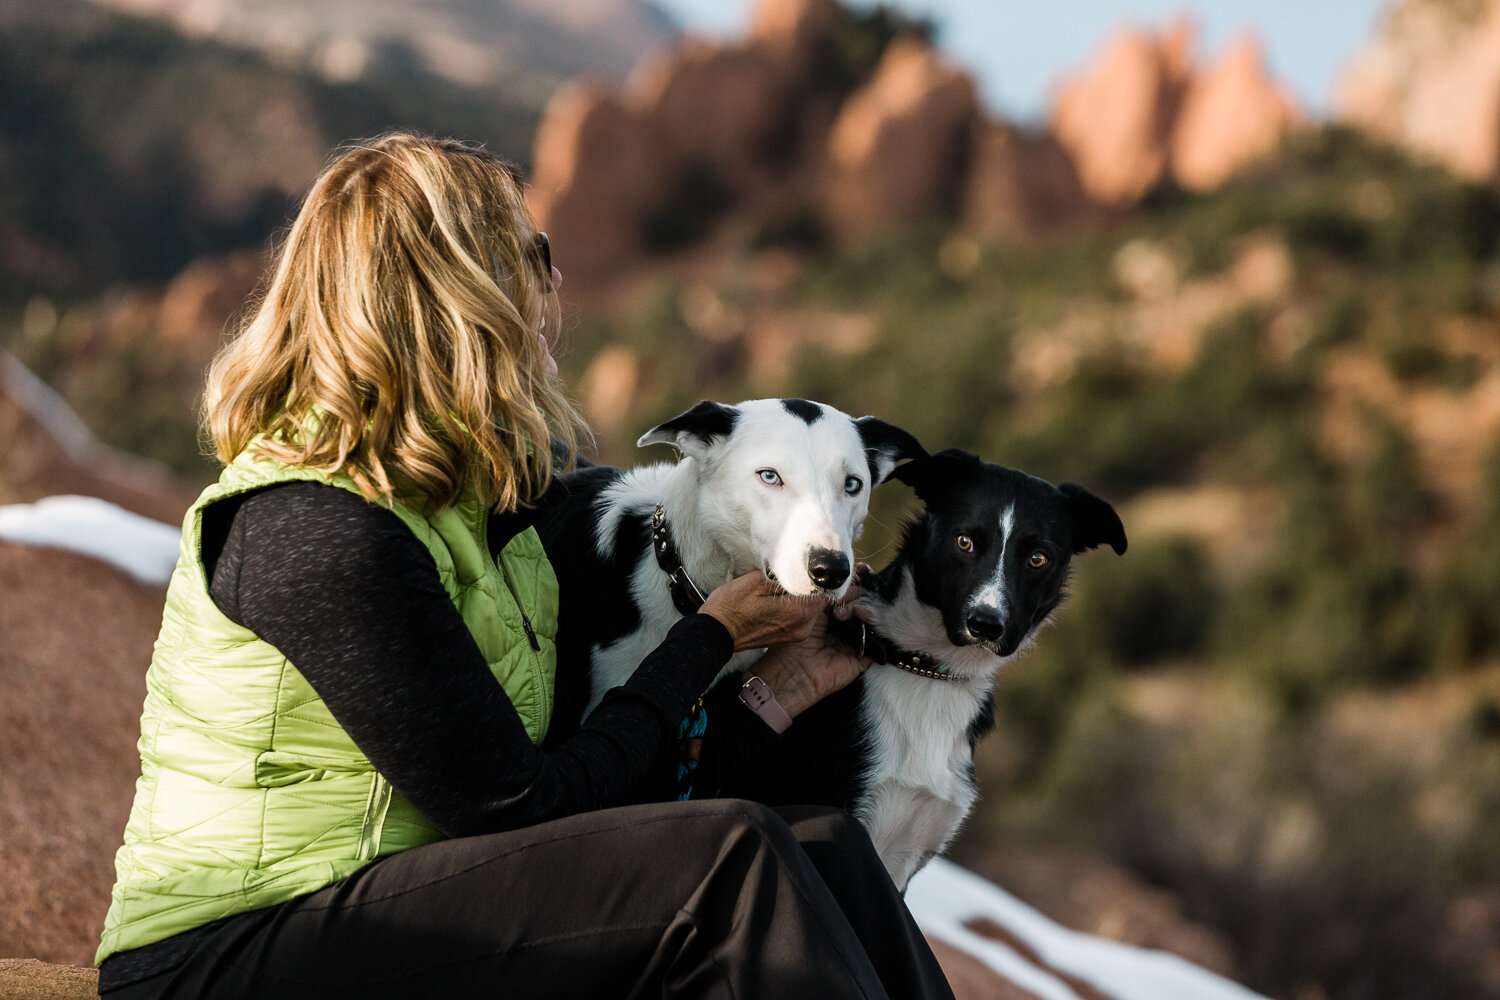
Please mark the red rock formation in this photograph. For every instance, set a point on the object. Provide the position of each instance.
(897, 150)
(1231, 115)
(798, 25)
(598, 172)
(971, 979)
(28, 979)
(78, 636)
(199, 302)
(1021, 185)
(1115, 118)
(720, 120)
(724, 109)
(1431, 83)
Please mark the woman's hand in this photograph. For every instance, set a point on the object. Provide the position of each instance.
(803, 673)
(759, 613)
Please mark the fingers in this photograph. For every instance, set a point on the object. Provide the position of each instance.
(759, 613)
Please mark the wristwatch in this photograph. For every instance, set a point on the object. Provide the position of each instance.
(760, 699)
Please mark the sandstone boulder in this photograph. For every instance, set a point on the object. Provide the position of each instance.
(1115, 117)
(700, 127)
(78, 636)
(1231, 115)
(970, 978)
(28, 979)
(200, 300)
(898, 148)
(727, 110)
(1022, 185)
(799, 25)
(1430, 82)
(598, 172)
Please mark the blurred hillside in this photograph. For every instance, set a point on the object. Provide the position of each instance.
(458, 40)
(128, 148)
(1273, 344)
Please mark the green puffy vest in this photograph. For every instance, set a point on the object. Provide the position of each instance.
(250, 793)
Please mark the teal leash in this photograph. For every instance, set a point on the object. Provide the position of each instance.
(690, 741)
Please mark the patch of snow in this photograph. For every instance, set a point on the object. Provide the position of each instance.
(144, 548)
(944, 897)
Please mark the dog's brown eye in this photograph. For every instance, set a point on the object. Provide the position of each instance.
(965, 543)
(1038, 559)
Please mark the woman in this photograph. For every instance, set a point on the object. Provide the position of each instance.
(383, 819)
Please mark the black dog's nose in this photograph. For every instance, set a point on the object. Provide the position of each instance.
(827, 569)
(986, 625)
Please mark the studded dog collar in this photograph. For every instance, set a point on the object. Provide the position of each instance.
(864, 640)
(685, 593)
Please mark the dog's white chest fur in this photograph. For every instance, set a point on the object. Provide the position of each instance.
(920, 787)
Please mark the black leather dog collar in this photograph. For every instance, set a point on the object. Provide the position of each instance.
(865, 641)
(685, 594)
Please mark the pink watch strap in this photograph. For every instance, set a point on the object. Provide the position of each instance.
(760, 699)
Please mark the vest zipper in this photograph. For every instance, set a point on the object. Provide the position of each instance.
(536, 645)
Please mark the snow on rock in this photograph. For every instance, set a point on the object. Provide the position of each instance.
(144, 548)
(1047, 959)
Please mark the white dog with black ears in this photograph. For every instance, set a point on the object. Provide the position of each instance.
(779, 485)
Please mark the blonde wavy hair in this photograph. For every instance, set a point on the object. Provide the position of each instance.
(397, 339)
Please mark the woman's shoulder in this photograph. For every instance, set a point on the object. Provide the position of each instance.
(301, 517)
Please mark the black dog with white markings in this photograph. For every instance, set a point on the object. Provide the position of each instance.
(977, 575)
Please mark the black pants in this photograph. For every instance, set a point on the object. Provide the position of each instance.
(714, 899)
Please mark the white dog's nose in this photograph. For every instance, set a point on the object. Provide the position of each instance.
(827, 568)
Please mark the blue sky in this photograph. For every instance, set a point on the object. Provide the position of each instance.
(1018, 50)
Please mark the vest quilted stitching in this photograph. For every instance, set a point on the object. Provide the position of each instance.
(250, 793)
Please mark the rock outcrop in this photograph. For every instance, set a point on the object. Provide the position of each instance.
(597, 174)
(751, 129)
(699, 127)
(1232, 114)
(1144, 112)
(29, 979)
(198, 304)
(78, 635)
(899, 146)
(1115, 117)
(1430, 82)
(1022, 185)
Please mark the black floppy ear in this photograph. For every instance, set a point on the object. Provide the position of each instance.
(693, 431)
(885, 445)
(1095, 522)
(933, 477)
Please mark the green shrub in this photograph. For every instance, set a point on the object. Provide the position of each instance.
(1156, 603)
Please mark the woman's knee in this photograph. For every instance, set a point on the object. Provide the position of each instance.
(823, 823)
(741, 821)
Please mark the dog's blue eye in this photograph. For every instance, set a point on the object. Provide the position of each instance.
(770, 477)
(853, 485)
